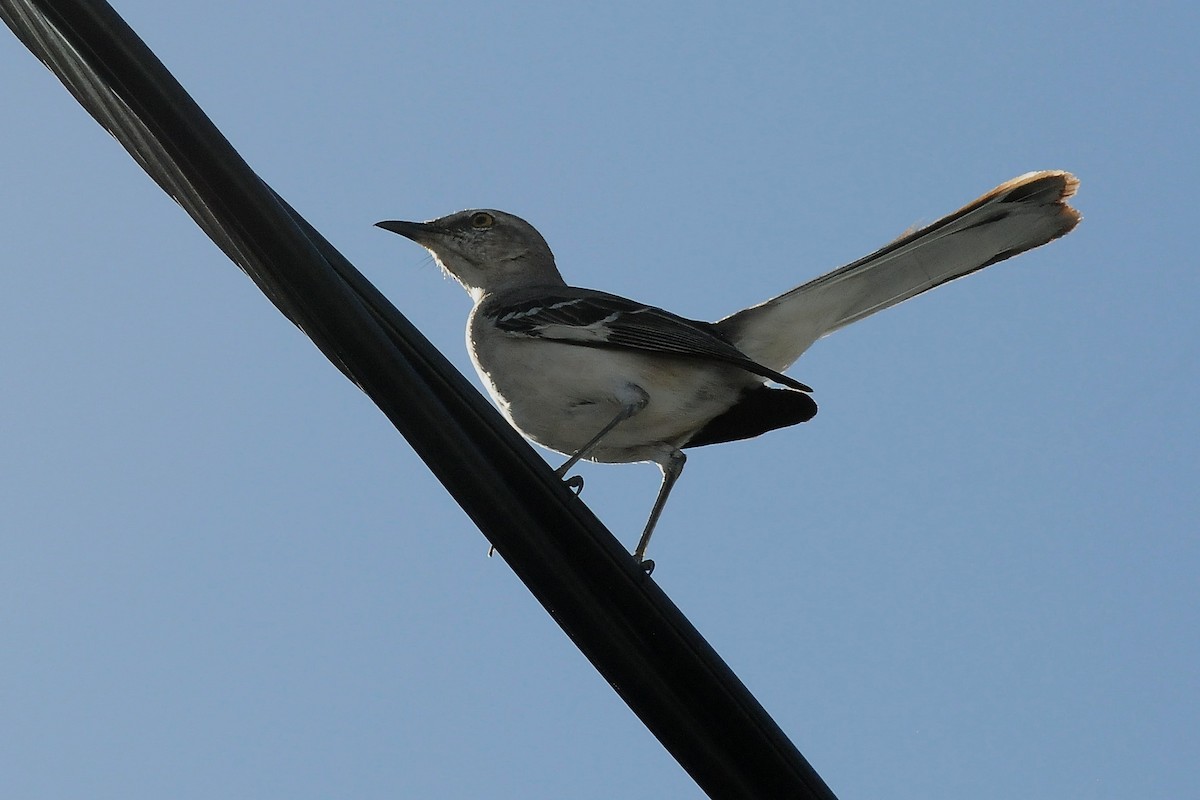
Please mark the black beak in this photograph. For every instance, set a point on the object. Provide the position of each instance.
(417, 231)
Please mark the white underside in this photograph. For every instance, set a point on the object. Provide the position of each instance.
(561, 395)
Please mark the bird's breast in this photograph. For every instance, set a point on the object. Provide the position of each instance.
(562, 395)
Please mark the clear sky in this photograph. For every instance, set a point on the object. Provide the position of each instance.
(972, 575)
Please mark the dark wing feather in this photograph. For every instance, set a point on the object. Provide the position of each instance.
(597, 319)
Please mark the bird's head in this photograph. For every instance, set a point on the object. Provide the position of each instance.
(484, 250)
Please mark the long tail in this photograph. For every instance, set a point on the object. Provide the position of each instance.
(1019, 215)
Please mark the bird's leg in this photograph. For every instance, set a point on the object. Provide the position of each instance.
(671, 469)
(640, 401)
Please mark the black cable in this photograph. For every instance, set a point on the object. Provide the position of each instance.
(617, 616)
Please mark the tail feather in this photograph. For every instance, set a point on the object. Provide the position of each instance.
(1026, 212)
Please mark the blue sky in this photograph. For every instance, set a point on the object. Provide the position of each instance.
(973, 574)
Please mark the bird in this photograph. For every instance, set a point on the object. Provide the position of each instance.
(603, 378)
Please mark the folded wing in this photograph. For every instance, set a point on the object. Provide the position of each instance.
(597, 319)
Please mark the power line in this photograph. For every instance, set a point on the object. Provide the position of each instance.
(617, 616)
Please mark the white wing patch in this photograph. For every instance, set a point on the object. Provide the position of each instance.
(598, 331)
(536, 310)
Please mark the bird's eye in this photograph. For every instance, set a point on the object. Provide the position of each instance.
(481, 220)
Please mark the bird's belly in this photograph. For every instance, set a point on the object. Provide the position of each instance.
(562, 395)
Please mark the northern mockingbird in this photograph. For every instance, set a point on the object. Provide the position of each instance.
(596, 376)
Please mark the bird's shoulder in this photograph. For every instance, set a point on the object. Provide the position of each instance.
(525, 308)
(597, 317)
